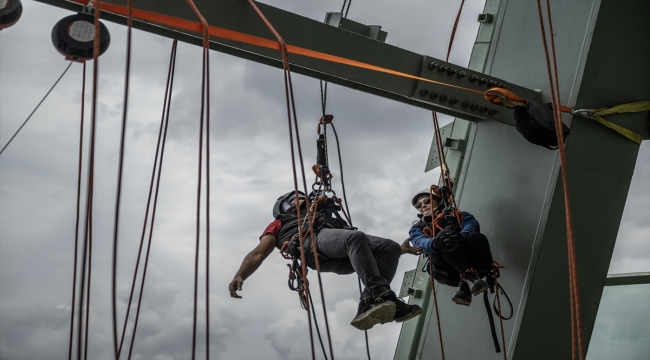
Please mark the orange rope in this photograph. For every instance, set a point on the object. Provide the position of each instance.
(576, 332)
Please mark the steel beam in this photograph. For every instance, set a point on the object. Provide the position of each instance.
(300, 31)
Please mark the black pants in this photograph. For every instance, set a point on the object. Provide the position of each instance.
(374, 259)
(474, 254)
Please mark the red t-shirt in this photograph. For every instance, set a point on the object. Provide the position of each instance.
(273, 228)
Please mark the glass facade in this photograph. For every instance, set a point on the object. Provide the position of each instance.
(622, 329)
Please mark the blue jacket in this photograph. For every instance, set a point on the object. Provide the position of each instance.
(469, 226)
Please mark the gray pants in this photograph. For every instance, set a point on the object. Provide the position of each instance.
(374, 259)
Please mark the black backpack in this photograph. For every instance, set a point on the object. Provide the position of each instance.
(535, 122)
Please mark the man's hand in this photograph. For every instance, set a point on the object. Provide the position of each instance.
(235, 285)
(408, 249)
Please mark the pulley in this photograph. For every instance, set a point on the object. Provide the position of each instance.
(10, 11)
(73, 37)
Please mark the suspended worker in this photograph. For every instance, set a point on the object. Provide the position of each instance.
(459, 255)
(341, 250)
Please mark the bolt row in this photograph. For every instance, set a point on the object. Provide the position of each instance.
(461, 74)
(481, 109)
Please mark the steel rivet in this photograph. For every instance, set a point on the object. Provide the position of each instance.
(462, 74)
(433, 65)
(473, 78)
(433, 95)
(424, 92)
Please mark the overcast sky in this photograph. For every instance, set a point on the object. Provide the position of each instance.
(384, 146)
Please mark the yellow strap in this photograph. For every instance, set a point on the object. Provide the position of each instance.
(618, 109)
(625, 108)
(637, 138)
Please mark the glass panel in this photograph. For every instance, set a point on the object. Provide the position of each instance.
(622, 329)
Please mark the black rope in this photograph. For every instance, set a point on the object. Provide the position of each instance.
(163, 121)
(365, 331)
(88, 223)
(120, 175)
(320, 339)
(207, 209)
(348, 9)
(77, 216)
(36, 108)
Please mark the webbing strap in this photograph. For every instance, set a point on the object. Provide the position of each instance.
(493, 330)
(639, 106)
(236, 36)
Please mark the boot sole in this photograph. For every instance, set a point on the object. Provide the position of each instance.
(480, 290)
(379, 314)
(416, 311)
(460, 301)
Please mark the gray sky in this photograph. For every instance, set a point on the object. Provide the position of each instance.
(384, 145)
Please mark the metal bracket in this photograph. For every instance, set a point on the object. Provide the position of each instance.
(407, 288)
(455, 144)
(374, 32)
(485, 18)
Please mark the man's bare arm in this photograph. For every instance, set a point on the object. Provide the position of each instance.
(251, 262)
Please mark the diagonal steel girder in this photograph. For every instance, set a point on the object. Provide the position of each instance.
(237, 15)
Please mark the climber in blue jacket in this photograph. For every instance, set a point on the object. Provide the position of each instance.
(458, 258)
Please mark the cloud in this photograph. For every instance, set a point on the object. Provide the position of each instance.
(384, 145)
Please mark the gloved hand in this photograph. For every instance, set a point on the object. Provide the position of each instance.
(448, 240)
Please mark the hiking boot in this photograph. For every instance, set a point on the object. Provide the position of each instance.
(476, 284)
(404, 311)
(463, 295)
(374, 311)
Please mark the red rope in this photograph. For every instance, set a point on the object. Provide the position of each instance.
(205, 115)
(576, 326)
(291, 109)
(453, 31)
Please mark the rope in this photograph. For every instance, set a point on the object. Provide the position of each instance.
(320, 339)
(90, 266)
(435, 302)
(291, 106)
(118, 195)
(155, 204)
(205, 85)
(87, 250)
(77, 213)
(453, 31)
(576, 331)
(36, 108)
(323, 92)
(163, 125)
(503, 336)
